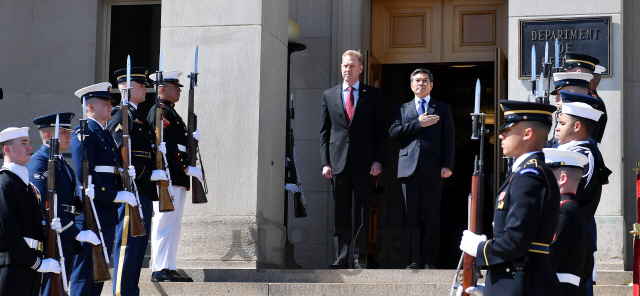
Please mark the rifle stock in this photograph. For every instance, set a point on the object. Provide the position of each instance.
(100, 266)
(56, 285)
(164, 197)
(470, 272)
(136, 225)
(198, 193)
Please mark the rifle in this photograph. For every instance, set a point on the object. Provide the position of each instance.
(58, 282)
(636, 237)
(299, 203)
(99, 255)
(198, 192)
(136, 225)
(165, 197)
(470, 272)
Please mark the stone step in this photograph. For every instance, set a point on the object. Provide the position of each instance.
(310, 289)
(386, 276)
(610, 277)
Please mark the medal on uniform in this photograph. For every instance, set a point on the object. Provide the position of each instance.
(501, 200)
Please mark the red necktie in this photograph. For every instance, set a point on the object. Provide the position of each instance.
(350, 106)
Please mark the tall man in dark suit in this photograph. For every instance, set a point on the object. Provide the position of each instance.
(428, 124)
(352, 149)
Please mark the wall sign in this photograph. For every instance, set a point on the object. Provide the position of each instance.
(590, 36)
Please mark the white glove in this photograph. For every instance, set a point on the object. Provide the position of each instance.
(49, 265)
(291, 187)
(196, 135)
(88, 236)
(56, 225)
(194, 172)
(162, 147)
(473, 290)
(126, 196)
(90, 191)
(157, 175)
(132, 171)
(470, 241)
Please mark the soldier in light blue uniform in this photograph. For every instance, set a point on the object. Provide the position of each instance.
(68, 202)
(104, 159)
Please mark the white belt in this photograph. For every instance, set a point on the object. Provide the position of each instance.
(569, 278)
(106, 169)
(33, 243)
(182, 148)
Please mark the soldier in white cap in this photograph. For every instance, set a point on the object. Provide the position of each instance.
(21, 220)
(570, 250)
(107, 192)
(165, 232)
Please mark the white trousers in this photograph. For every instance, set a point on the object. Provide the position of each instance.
(165, 232)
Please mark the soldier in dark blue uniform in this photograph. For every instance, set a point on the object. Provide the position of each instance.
(570, 250)
(21, 220)
(165, 234)
(129, 253)
(567, 81)
(69, 203)
(575, 125)
(104, 159)
(526, 213)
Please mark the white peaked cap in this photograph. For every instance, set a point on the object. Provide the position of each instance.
(11, 133)
(167, 76)
(599, 69)
(572, 75)
(99, 88)
(565, 157)
(582, 110)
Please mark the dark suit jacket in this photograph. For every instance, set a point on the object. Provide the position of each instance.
(437, 141)
(364, 136)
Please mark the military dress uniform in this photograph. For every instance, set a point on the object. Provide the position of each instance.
(21, 232)
(69, 203)
(165, 234)
(570, 250)
(561, 80)
(104, 160)
(129, 252)
(525, 219)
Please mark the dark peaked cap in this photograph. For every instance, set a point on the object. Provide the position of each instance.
(580, 60)
(138, 74)
(50, 120)
(516, 111)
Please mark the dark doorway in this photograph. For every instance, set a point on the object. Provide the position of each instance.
(454, 84)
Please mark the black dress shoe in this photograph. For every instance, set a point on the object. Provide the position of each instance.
(177, 277)
(161, 276)
(413, 265)
(339, 264)
(359, 265)
(429, 266)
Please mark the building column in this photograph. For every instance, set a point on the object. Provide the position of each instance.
(240, 101)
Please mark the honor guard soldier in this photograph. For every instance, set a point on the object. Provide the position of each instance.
(526, 213)
(568, 81)
(21, 220)
(570, 251)
(104, 159)
(577, 122)
(69, 203)
(575, 62)
(129, 252)
(165, 233)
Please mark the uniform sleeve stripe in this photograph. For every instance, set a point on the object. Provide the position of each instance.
(67, 227)
(37, 264)
(484, 250)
